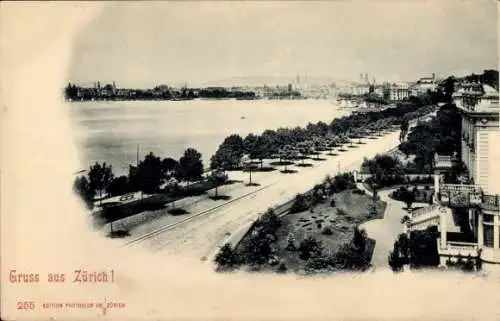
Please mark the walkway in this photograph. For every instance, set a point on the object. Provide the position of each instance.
(385, 231)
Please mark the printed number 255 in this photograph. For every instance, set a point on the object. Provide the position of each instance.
(25, 305)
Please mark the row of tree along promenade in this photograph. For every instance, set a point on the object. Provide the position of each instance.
(167, 180)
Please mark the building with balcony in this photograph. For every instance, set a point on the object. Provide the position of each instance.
(467, 212)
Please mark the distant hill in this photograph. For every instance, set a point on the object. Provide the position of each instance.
(273, 80)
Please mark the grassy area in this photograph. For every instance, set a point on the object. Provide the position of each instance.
(332, 226)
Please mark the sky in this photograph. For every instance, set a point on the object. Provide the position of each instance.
(173, 42)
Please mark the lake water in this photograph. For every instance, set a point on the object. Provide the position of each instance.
(110, 131)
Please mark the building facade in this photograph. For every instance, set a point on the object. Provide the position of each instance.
(396, 92)
(467, 212)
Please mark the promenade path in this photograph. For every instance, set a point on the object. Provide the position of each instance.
(200, 236)
(385, 231)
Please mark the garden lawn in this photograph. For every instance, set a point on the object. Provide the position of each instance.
(351, 209)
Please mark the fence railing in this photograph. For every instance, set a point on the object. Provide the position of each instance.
(491, 202)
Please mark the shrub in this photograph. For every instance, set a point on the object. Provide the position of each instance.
(359, 239)
(395, 261)
(350, 258)
(300, 204)
(291, 242)
(469, 264)
(327, 230)
(318, 264)
(282, 268)
(273, 260)
(257, 250)
(226, 259)
(310, 247)
(268, 223)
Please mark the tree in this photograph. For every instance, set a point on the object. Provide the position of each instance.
(217, 178)
(359, 239)
(248, 165)
(449, 87)
(229, 154)
(170, 167)
(261, 149)
(250, 143)
(118, 186)
(404, 129)
(305, 148)
(100, 176)
(150, 174)
(82, 188)
(408, 198)
(286, 153)
(191, 165)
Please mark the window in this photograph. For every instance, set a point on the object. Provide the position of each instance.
(488, 235)
(487, 218)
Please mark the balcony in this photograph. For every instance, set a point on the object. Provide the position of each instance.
(460, 195)
(455, 249)
(491, 202)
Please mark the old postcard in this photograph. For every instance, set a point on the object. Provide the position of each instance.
(250, 160)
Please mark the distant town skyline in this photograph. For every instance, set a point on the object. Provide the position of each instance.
(201, 43)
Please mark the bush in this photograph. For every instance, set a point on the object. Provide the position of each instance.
(226, 259)
(300, 204)
(318, 264)
(257, 250)
(327, 230)
(350, 258)
(310, 247)
(291, 242)
(359, 239)
(268, 223)
(395, 261)
(281, 268)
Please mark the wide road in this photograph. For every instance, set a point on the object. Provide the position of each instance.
(199, 236)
